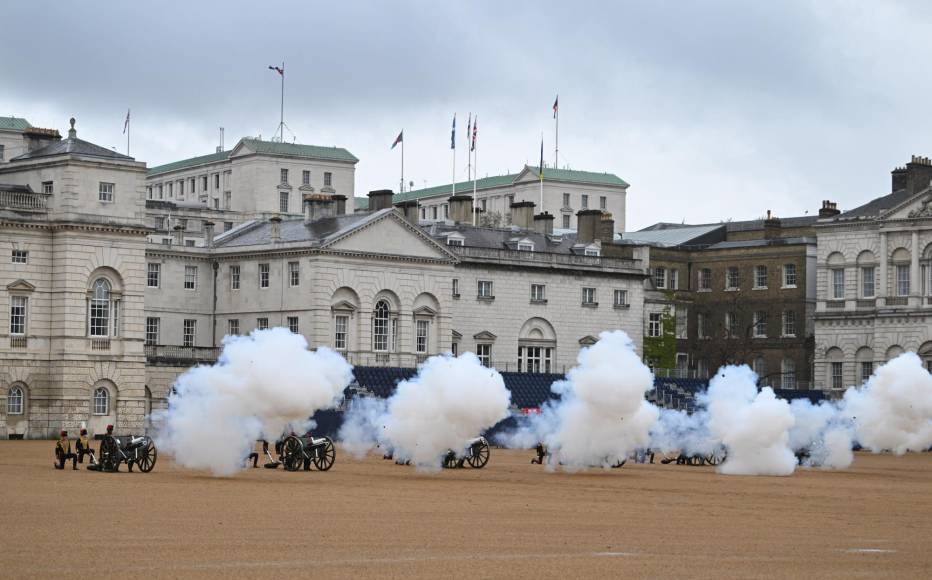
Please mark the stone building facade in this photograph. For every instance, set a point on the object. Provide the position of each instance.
(875, 281)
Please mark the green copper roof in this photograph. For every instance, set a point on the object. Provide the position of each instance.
(13, 124)
(361, 202)
(564, 175)
(266, 147)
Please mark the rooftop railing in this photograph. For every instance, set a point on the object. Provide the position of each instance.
(21, 200)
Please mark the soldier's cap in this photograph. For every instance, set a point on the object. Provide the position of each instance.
(83, 431)
(109, 427)
(64, 433)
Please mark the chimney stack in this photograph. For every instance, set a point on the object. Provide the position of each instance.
(380, 199)
(209, 233)
(317, 206)
(179, 235)
(607, 228)
(461, 209)
(522, 214)
(829, 209)
(340, 203)
(543, 223)
(276, 234)
(914, 177)
(408, 209)
(771, 226)
(587, 225)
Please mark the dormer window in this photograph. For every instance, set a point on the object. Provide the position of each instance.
(592, 252)
(525, 247)
(454, 241)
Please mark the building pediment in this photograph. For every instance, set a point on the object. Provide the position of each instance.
(484, 335)
(386, 232)
(588, 340)
(424, 311)
(344, 306)
(456, 335)
(20, 286)
(916, 207)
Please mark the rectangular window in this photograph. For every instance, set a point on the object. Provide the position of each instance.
(838, 283)
(653, 324)
(867, 282)
(190, 332)
(537, 292)
(433, 213)
(621, 298)
(19, 256)
(760, 324)
(702, 325)
(216, 181)
(421, 329)
(105, 193)
(451, 241)
(293, 324)
(18, 315)
(867, 369)
(446, 211)
(660, 278)
(525, 247)
(1, 152)
(190, 277)
(485, 289)
(227, 200)
(284, 176)
(262, 323)
(227, 226)
(203, 183)
(340, 324)
(159, 187)
(484, 352)
(283, 202)
(837, 379)
(788, 373)
(789, 275)
(732, 278)
(192, 185)
(423, 213)
(171, 189)
(328, 179)
(566, 222)
(760, 276)
(305, 177)
(731, 325)
(789, 323)
(456, 287)
(566, 200)
(153, 276)
(674, 279)
(603, 202)
(149, 192)
(588, 296)
(682, 314)
(234, 277)
(294, 274)
(585, 201)
(902, 280)
(705, 279)
(233, 326)
(263, 275)
(48, 187)
(152, 329)
(455, 349)
(181, 188)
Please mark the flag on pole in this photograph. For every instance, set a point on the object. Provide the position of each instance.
(556, 106)
(126, 122)
(280, 70)
(468, 129)
(453, 133)
(475, 129)
(399, 138)
(541, 159)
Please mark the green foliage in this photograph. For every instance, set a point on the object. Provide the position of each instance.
(661, 350)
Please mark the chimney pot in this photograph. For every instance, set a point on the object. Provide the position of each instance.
(380, 199)
(209, 233)
(522, 214)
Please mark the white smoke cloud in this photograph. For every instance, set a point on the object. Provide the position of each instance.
(893, 410)
(821, 435)
(261, 384)
(602, 416)
(449, 402)
(752, 425)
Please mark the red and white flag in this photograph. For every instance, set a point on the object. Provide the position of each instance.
(126, 122)
(279, 69)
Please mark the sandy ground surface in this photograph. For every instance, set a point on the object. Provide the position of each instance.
(373, 519)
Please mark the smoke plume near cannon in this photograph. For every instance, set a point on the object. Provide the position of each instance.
(448, 403)
(262, 384)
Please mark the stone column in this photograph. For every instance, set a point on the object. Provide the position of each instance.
(882, 291)
(915, 284)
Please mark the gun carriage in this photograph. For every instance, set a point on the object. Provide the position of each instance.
(298, 451)
(117, 449)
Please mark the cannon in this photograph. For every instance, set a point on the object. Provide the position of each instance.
(116, 449)
(298, 451)
(543, 454)
(714, 458)
(476, 455)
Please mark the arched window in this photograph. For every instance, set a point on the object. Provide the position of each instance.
(15, 400)
(380, 327)
(100, 308)
(101, 401)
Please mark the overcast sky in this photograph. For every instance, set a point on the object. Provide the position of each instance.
(710, 110)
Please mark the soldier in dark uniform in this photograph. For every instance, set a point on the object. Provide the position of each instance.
(63, 452)
(255, 456)
(83, 447)
(541, 450)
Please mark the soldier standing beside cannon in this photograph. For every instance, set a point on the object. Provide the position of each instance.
(63, 452)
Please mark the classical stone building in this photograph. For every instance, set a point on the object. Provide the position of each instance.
(72, 268)
(875, 281)
(565, 192)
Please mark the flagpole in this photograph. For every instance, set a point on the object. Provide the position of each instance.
(453, 146)
(127, 132)
(541, 171)
(281, 122)
(556, 140)
(475, 153)
(402, 188)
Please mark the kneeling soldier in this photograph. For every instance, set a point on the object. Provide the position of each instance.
(83, 447)
(63, 452)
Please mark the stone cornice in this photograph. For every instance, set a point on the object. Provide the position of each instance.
(79, 226)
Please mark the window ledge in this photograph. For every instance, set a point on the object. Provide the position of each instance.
(485, 298)
(732, 289)
(622, 306)
(788, 336)
(704, 290)
(590, 304)
(790, 287)
(541, 301)
(759, 288)
(456, 296)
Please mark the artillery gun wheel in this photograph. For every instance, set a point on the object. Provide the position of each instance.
(292, 456)
(716, 457)
(326, 455)
(479, 456)
(147, 457)
(109, 455)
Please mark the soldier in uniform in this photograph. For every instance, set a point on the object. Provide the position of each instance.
(83, 447)
(255, 456)
(63, 452)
